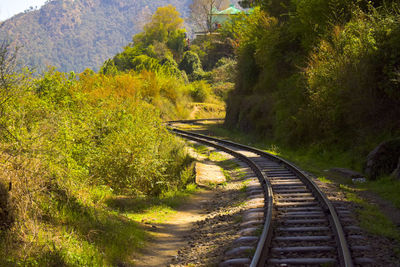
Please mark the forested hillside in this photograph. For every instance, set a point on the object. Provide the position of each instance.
(76, 34)
(314, 72)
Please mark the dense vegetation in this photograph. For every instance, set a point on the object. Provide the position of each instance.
(69, 145)
(79, 151)
(323, 73)
(80, 34)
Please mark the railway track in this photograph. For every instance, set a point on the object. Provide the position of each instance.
(299, 224)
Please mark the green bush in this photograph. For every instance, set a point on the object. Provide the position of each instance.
(200, 91)
(137, 156)
(190, 63)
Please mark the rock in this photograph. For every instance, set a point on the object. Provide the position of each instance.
(383, 159)
(346, 173)
(209, 174)
(396, 173)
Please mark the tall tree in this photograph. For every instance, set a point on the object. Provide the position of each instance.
(164, 23)
(201, 12)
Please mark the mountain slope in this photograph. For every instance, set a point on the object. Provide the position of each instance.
(79, 34)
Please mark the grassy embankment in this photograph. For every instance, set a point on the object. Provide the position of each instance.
(317, 161)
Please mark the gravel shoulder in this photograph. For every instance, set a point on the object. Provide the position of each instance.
(384, 251)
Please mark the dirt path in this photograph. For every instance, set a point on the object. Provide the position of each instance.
(202, 228)
(169, 237)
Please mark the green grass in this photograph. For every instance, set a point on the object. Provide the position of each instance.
(371, 218)
(324, 179)
(387, 188)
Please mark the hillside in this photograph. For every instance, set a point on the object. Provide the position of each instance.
(76, 34)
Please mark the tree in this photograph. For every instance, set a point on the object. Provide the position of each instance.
(201, 12)
(163, 37)
(165, 27)
(190, 62)
(164, 23)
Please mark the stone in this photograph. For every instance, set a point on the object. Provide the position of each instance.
(346, 173)
(242, 262)
(396, 173)
(208, 174)
(383, 159)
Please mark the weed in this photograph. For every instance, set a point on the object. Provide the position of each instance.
(324, 179)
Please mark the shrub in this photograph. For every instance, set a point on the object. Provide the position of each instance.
(200, 91)
(224, 71)
(190, 63)
(135, 158)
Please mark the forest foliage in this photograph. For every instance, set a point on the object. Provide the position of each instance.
(320, 72)
(74, 145)
(71, 144)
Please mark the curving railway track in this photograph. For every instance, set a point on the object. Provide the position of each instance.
(299, 224)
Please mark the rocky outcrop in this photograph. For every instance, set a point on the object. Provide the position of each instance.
(383, 159)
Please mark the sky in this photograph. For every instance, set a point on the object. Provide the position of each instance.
(9, 8)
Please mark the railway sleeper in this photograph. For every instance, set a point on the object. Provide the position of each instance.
(240, 251)
(304, 238)
(284, 198)
(302, 261)
(303, 229)
(295, 204)
(301, 213)
(246, 240)
(249, 231)
(287, 191)
(255, 192)
(288, 187)
(303, 208)
(252, 223)
(302, 249)
(302, 216)
(278, 185)
(279, 180)
(360, 248)
(293, 194)
(274, 178)
(236, 262)
(304, 221)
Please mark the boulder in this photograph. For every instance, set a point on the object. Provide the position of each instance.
(396, 173)
(383, 159)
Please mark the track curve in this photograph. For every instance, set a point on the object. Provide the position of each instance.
(301, 226)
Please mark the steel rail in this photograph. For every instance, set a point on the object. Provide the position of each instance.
(343, 248)
(266, 235)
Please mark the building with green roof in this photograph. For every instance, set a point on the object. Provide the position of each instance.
(219, 17)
